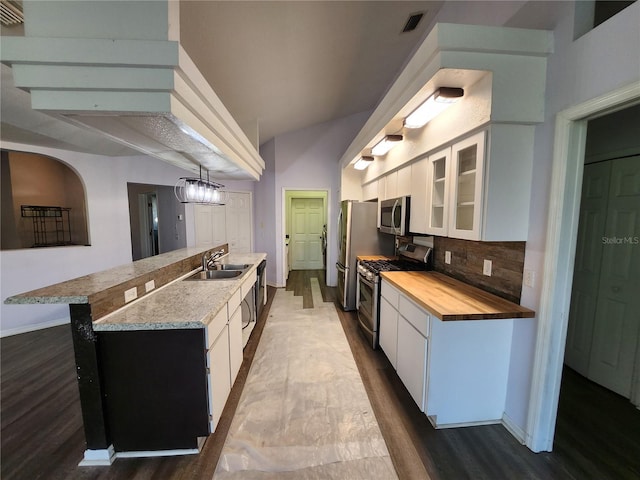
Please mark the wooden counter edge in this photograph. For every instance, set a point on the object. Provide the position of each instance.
(518, 311)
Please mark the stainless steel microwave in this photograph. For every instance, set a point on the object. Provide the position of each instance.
(394, 215)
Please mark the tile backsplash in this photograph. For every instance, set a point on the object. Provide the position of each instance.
(467, 260)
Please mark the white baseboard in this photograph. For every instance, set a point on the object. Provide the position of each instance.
(514, 429)
(33, 327)
(96, 458)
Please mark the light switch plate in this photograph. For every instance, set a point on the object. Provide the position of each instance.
(150, 285)
(130, 294)
(447, 257)
(529, 278)
(486, 268)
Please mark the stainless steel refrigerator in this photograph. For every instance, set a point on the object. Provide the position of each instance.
(357, 235)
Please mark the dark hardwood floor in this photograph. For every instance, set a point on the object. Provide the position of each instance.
(598, 432)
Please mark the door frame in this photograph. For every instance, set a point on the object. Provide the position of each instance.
(324, 193)
(562, 232)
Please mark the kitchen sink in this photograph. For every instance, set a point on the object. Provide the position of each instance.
(233, 266)
(215, 275)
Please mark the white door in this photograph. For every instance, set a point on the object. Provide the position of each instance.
(210, 225)
(586, 274)
(617, 320)
(307, 219)
(239, 222)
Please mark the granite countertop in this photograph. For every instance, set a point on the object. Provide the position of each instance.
(78, 290)
(451, 299)
(180, 304)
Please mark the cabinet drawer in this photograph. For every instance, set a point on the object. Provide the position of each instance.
(390, 293)
(216, 325)
(415, 315)
(234, 302)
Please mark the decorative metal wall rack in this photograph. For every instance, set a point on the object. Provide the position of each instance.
(51, 225)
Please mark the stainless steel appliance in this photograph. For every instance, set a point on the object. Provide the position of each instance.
(394, 215)
(410, 257)
(261, 288)
(357, 235)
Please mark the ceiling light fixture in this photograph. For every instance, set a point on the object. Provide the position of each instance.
(439, 101)
(387, 143)
(363, 162)
(198, 190)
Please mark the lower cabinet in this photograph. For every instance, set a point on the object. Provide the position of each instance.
(219, 379)
(455, 371)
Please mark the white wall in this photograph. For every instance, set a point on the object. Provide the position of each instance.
(600, 61)
(302, 160)
(105, 180)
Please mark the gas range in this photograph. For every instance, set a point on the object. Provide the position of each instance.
(371, 269)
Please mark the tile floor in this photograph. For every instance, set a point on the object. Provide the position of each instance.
(304, 412)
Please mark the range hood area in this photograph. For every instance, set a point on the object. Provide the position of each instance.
(145, 93)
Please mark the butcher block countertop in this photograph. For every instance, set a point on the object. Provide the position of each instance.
(451, 299)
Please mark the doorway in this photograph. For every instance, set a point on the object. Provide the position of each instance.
(562, 228)
(305, 229)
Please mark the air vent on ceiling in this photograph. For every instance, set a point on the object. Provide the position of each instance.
(11, 12)
(412, 22)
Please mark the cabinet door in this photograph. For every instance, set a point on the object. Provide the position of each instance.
(238, 222)
(388, 330)
(370, 191)
(466, 187)
(210, 227)
(382, 189)
(404, 181)
(235, 344)
(412, 360)
(219, 377)
(419, 205)
(391, 188)
(439, 198)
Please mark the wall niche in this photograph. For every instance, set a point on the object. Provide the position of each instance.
(43, 202)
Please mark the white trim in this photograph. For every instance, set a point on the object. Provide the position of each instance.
(158, 453)
(562, 227)
(34, 327)
(93, 458)
(516, 430)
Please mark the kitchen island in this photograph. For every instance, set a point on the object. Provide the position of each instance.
(156, 354)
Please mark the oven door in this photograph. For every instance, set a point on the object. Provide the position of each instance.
(368, 309)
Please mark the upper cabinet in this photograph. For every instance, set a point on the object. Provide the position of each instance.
(465, 189)
(476, 189)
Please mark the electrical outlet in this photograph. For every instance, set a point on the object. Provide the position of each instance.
(486, 268)
(130, 294)
(529, 278)
(447, 257)
(150, 285)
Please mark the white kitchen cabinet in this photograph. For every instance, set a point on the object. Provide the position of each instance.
(219, 378)
(391, 188)
(382, 189)
(466, 187)
(388, 336)
(438, 199)
(370, 191)
(456, 371)
(403, 187)
(412, 360)
(418, 221)
(235, 344)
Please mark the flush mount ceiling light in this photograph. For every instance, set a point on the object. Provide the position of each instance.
(387, 143)
(439, 101)
(362, 163)
(198, 190)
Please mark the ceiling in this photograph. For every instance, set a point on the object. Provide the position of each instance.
(277, 66)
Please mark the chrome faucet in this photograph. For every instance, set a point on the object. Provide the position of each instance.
(209, 261)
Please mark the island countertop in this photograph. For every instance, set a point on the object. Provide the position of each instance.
(181, 304)
(451, 299)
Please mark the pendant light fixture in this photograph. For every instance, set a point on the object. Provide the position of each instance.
(387, 143)
(198, 190)
(439, 101)
(363, 162)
